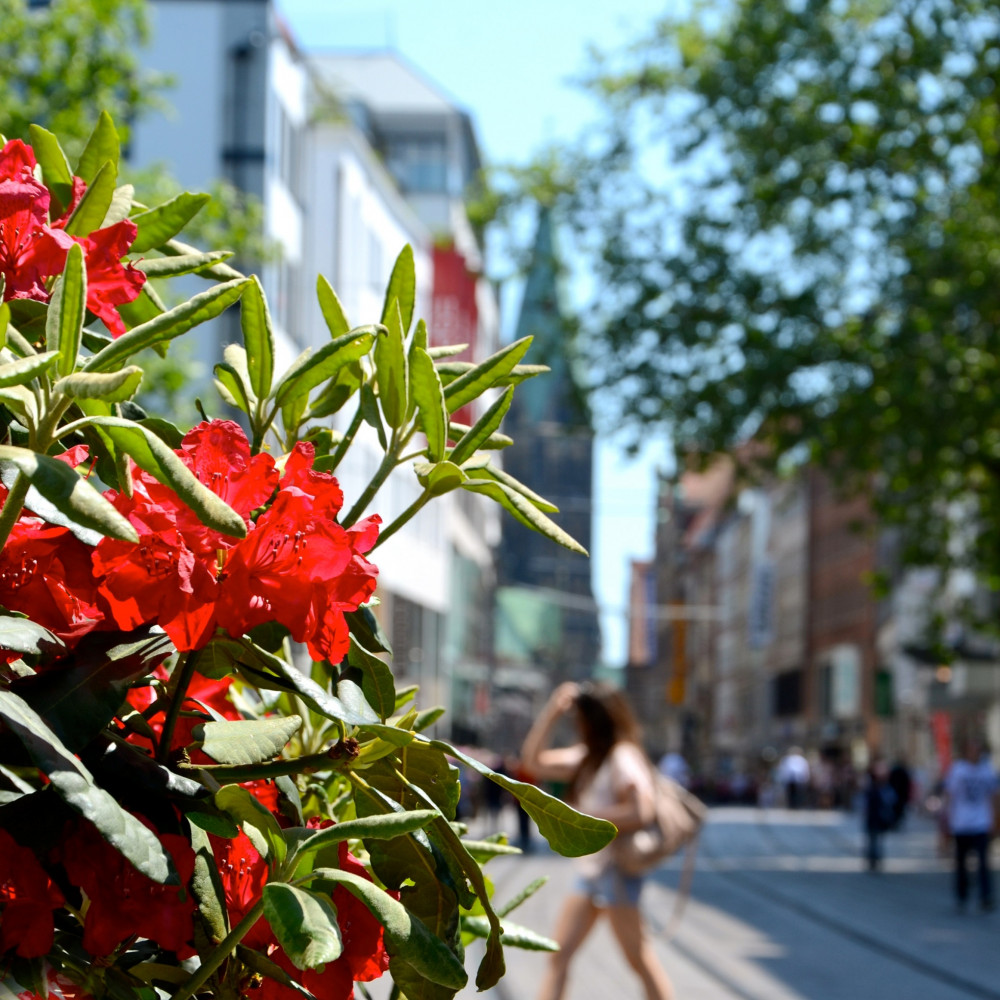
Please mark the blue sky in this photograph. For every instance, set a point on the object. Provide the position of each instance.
(511, 65)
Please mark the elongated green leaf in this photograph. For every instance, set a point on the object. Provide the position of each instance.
(120, 207)
(152, 454)
(526, 893)
(482, 429)
(488, 373)
(250, 741)
(68, 492)
(391, 370)
(102, 146)
(514, 935)
(204, 306)
(313, 367)
(568, 832)
(4, 316)
(192, 263)
(428, 395)
(22, 635)
(484, 468)
(23, 370)
(258, 338)
(525, 511)
(304, 923)
(330, 307)
(21, 402)
(217, 272)
(402, 289)
(367, 629)
(139, 310)
(73, 783)
(255, 821)
(368, 405)
(206, 884)
(405, 935)
(157, 225)
(231, 389)
(67, 308)
(56, 172)
(80, 698)
(376, 683)
(439, 478)
(484, 850)
(447, 351)
(112, 387)
(93, 206)
(494, 442)
(256, 962)
(378, 827)
(237, 361)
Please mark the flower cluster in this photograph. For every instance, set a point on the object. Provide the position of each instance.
(33, 247)
(297, 566)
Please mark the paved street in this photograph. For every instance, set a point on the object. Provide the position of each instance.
(781, 910)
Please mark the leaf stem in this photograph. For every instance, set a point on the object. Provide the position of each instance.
(185, 671)
(221, 952)
(347, 439)
(13, 506)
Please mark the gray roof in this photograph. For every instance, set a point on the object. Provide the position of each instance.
(382, 81)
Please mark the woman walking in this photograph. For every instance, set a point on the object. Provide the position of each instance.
(608, 776)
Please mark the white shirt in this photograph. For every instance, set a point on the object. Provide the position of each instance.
(970, 789)
(793, 767)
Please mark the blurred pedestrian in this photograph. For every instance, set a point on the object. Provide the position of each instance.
(674, 766)
(609, 777)
(902, 784)
(879, 811)
(793, 776)
(969, 788)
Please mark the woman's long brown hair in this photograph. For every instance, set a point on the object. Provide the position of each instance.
(604, 718)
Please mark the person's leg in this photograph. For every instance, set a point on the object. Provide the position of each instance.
(982, 848)
(574, 923)
(961, 872)
(627, 924)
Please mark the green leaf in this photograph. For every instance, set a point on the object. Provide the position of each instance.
(206, 883)
(313, 367)
(102, 146)
(250, 741)
(56, 172)
(112, 387)
(469, 444)
(258, 338)
(330, 307)
(304, 923)
(152, 454)
(485, 467)
(67, 308)
(376, 679)
(402, 289)
(255, 821)
(231, 388)
(514, 935)
(568, 832)
(157, 225)
(139, 310)
(494, 442)
(391, 371)
(368, 406)
(4, 316)
(22, 635)
(428, 395)
(439, 478)
(74, 784)
(120, 207)
(525, 511)
(93, 206)
(526, 893)
(68, 492)
(192, 263)
(80, 698)
(485, 375)
(202, 307)
(405, 935)
(24, 370)
(367, 629)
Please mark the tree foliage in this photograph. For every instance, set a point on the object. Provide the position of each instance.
(791, 209)
(66, 61)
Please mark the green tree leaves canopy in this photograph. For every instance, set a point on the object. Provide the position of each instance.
(792, 212)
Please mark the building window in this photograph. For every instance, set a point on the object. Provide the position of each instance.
(418, 162)
(787, 693)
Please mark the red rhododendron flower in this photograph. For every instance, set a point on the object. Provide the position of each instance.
(30, 250)
(125, 903)
(364, 957)
(45, 572)
(27, 899)
(321, 487)
(110, 283)
(56, 987)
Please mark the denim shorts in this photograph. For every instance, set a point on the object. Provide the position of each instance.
(610, 887)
